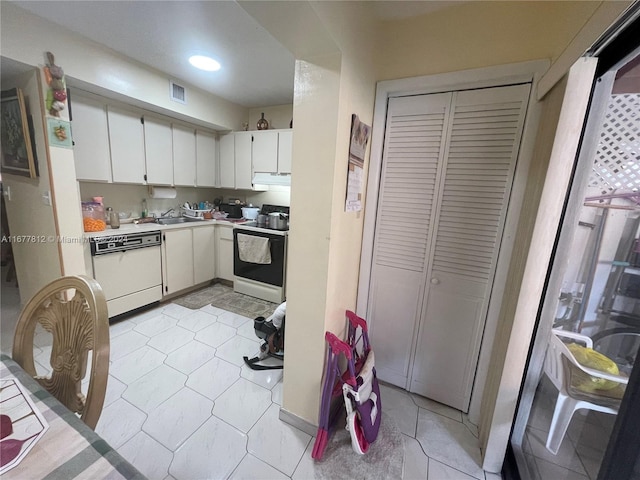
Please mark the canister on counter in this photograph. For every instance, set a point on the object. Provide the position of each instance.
(114, 219)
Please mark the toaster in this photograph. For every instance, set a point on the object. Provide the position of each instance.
(233, 209)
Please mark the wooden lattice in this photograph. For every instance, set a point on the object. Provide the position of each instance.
(617, 162)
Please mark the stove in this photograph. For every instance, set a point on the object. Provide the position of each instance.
(266, 210)
(264, 275)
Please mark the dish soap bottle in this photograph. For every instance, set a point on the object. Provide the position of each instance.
(145, 212)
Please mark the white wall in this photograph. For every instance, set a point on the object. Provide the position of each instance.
(128, 198)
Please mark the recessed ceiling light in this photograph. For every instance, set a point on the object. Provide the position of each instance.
(204, 63)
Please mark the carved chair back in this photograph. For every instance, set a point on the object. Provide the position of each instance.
(73, 310)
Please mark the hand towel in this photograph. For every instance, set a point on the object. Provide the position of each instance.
(253, 249)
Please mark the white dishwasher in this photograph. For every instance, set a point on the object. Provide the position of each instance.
(129, 269)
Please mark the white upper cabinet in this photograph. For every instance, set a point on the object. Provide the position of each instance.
(272, 151)
(158, 151)
(265, 151)
(184, 156)
(244, 174)
(205, 159)
(227, 161)
(90, 139)
(285, 144)
(126, 139)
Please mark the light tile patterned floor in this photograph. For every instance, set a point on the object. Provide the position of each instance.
(180, 404)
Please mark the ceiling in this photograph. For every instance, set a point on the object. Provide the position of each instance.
(256, 71)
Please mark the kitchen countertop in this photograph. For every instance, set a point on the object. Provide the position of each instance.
(152, 227)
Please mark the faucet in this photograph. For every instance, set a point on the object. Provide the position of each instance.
(167, 212)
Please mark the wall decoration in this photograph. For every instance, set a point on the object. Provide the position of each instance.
(16, 130)
(360, 133)
(57, 93)
(59, 133)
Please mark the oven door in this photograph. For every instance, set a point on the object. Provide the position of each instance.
(269, 273)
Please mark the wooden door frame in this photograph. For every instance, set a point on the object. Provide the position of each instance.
(496, 76)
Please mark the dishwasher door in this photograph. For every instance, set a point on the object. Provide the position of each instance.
(130, 279)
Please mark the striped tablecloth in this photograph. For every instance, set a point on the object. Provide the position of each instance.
(69, 449)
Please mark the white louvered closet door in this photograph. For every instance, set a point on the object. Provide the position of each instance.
(483, 143)
(413, 155)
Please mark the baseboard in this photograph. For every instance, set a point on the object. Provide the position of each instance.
(299, 423)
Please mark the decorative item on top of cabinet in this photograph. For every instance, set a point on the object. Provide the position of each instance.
(262, 123)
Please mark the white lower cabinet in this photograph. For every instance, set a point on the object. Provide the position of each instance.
(204, 265)
(177, 258)
(189, 257)
(224, 252)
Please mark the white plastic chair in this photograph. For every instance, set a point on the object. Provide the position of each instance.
(569, 400)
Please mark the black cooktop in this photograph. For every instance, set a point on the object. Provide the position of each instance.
(267, 209)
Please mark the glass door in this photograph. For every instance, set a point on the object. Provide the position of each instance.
(588, 333)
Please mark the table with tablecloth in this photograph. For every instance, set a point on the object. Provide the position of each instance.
(68, 449)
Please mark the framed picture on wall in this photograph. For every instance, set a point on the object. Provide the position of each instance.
(16, 147)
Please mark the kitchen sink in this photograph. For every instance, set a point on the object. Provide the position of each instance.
(174, 220)
(171, 220)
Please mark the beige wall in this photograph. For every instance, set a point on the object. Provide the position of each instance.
(478, 34)
(25, 37)
(529, 270)
(317, 88)
(548, 122)
(278, 116)
(324, 241)
(37, 263)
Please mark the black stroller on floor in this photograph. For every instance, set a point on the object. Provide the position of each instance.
(271, 330)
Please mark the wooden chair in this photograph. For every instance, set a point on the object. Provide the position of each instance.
(74, 310)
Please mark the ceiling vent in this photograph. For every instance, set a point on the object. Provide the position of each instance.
(178, 92)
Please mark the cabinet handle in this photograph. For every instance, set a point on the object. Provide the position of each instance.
(435, 281)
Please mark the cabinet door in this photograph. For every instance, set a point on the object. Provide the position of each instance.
(401, 244)
(227, 161)
(265, 151)
(224, 252)
(158, 146)
(484, 138)
(285, 144)
(205, 159)
(126, 139)
(204, 265)
(184, 156)
(90, 140)
(244, 174)
(178, 260)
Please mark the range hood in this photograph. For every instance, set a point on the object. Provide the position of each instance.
(271, 179)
